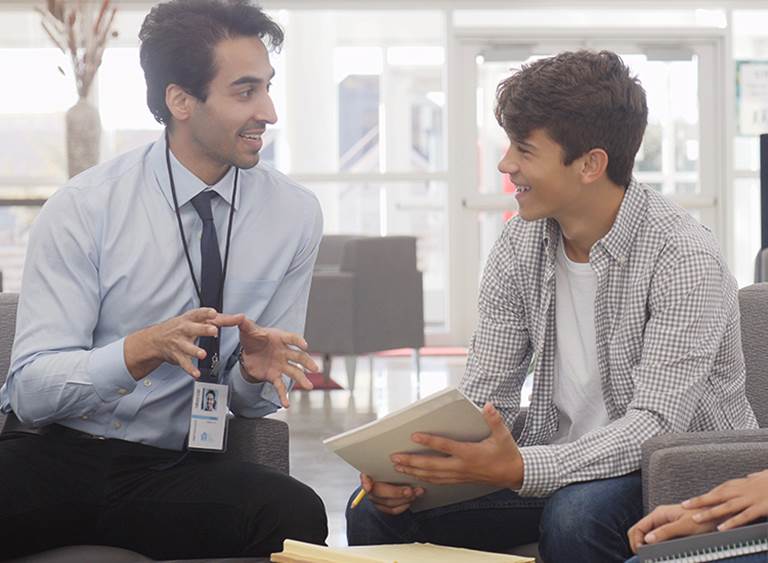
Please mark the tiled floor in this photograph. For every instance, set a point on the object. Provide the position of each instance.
(316, 415)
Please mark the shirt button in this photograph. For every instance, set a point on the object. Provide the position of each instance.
(122, 391)
(84, 417)
(117, 424)
(147, 382)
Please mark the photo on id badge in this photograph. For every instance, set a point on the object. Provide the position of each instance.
(208, 421)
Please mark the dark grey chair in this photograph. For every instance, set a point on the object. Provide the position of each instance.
(761, 266)
(366, 296)
(258, 440)
(679, 466)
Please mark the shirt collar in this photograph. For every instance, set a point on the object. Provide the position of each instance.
(187, 184)
(618, 241)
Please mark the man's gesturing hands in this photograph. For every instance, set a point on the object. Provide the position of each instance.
(174, 341)
(267, 353)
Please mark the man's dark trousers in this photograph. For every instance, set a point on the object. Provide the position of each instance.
(66, 489)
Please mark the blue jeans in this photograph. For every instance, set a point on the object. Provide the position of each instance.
(581, 522)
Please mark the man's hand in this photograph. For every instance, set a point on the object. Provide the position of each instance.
(268, 353)
(173, 341)
(494, 461)
(390, 499)
(666, 522)
(734, 503)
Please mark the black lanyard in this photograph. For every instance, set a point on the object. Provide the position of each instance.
(184, 238)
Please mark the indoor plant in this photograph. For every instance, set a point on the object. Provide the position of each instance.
(81, 32)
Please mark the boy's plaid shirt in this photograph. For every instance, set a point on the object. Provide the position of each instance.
(668, 339)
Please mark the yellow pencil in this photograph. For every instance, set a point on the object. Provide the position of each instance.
(358, 498)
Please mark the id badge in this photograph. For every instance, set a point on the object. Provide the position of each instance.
(208, 423)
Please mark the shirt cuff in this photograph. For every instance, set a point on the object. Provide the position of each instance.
(107, 371)
(541, 476)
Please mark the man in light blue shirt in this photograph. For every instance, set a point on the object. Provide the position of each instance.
(110, 326)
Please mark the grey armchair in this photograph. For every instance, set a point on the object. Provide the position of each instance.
(678, 466)
(366, 296)
(258, 440)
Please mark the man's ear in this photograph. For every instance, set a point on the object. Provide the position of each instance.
(594, 164)
(179, 102)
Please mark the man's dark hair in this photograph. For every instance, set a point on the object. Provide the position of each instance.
(583, 100)
(178, 39)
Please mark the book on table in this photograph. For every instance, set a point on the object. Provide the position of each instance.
(448, 413)
(300, 552)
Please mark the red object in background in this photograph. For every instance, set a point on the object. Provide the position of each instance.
(319, 383)
(509, 188)
(426, 351)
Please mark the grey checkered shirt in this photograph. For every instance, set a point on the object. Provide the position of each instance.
(668, 339)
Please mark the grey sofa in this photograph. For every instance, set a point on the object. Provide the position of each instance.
(678, 466)
(366, 296)
(259, 440)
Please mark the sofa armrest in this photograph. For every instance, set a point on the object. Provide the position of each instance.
(678, 466)
(259, 440)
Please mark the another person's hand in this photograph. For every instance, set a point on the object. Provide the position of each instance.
(174, 341)
(734, 503)
(493, 461)
(268, 353)
(390, 499)
(666, 522)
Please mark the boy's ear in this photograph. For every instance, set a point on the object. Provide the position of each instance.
(594, 165)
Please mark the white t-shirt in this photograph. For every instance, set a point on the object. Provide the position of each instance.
(577, 393)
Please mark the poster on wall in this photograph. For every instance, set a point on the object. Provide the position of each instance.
(752, 97)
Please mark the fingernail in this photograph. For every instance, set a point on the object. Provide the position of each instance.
(399, 468)
(650, 538)
(396, 459)
(417, 438)
(685, 503)
(722, 526)
(407, 493)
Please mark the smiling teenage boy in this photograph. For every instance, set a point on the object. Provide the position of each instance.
(619, 301)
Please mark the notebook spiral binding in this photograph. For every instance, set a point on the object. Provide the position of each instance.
(747, 540)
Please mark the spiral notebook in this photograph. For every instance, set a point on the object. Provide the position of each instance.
(746, 540)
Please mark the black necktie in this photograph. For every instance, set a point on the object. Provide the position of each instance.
(210, 273)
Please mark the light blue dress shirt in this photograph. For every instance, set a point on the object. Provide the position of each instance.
(105, 259)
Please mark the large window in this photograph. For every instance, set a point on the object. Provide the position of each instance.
(366, 98)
